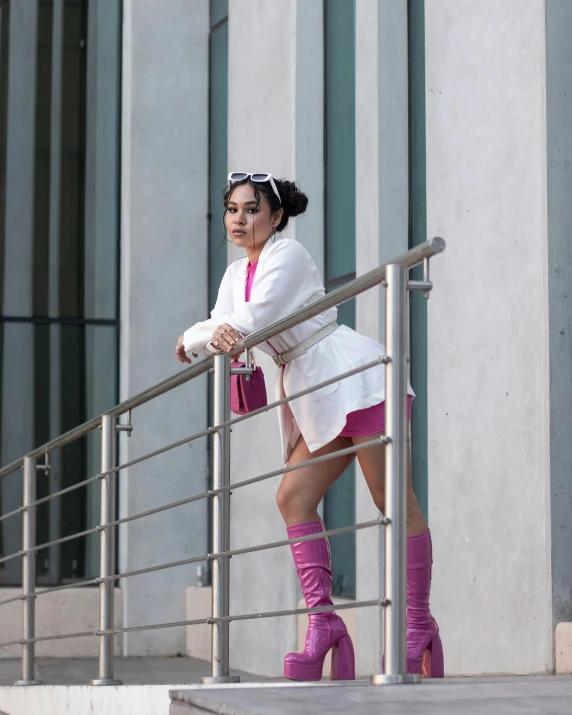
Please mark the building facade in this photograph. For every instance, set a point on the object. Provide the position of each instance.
(401, 119)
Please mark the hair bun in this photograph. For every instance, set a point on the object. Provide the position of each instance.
(295, 200)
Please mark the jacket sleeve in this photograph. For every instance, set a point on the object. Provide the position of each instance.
(197, 338)
(285, 285)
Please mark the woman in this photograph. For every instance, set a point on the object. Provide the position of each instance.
(277, 277)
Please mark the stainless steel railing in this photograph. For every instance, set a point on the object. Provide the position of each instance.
(394, 277)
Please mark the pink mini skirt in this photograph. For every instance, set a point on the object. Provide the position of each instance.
(369, 421)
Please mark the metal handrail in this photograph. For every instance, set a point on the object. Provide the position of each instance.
(410, 259)
(204, 433)
(380, 521)
(394, 277)
(208, 620)
(261, 410)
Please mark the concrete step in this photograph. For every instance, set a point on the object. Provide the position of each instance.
(529, 695)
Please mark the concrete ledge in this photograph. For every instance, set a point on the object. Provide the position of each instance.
(543, 695)
(563, 648)
(76, 700)
(74, 610)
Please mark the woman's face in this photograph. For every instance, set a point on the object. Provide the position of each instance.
(249, 225)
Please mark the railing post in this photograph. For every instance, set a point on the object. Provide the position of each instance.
(29, 575)
(395, 479)
(107, 555)
(221, 524)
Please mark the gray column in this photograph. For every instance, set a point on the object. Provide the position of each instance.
(498, 188)
(382, 212)
(279, 129)
(559, 191)
(102, 192)
(18, 345)
(163, 292)
(55, 391)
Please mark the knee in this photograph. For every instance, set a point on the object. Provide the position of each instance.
(379, 501)
(286, 501)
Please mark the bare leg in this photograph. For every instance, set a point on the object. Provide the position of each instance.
(301, 491)
(372, 463)
(298, 497)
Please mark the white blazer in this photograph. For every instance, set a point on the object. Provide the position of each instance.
(287, 279)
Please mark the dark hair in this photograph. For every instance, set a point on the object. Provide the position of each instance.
(294, 201)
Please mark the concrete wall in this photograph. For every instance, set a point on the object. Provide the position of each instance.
(489, 387)
(559, 208)
(274, 125)
(499, 383)
(163, 291)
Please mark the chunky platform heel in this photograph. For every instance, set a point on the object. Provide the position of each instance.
(326, 631)
(343, 660)
(432, 663)
(424, 647)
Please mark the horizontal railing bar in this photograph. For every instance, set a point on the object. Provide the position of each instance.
(361, 368)
(235, 420)
(379, 602)
(409, 259)
(284, 470)
(19, 510)
(76, 584)
(61, 441)
(152, 569)
(381, 521)
(63, 587)
(60, 637)
(237, 485)
(15, 555)
(368, 280)
(12, 467)
(11, 600)
(62, 540)
(315, 460)
(83, 483)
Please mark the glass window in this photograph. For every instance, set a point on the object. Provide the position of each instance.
(63, 310)
(418, 234)
(218, 143)
(340, 200)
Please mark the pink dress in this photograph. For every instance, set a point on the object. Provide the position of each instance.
(360, 423)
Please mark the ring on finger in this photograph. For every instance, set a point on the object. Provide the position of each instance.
(216, 343)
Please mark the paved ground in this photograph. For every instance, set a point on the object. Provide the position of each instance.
(132, 671)
(540, 695)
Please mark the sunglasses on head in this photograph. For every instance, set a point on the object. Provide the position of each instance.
(259, 178)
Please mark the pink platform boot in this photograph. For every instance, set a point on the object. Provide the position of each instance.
(326, 630)
(424, 648)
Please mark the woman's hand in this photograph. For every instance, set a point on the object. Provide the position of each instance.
(180, 353)
(225, 337)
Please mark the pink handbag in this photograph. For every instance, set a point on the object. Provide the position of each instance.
(247, 392)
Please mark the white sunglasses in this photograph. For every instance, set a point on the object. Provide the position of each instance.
(235, 176)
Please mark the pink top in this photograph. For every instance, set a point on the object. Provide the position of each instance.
(360, 423)
(250, 272)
